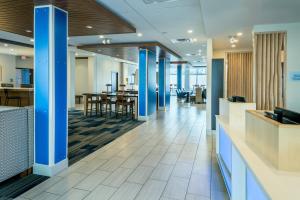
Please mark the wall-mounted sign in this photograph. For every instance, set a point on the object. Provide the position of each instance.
(294, 76)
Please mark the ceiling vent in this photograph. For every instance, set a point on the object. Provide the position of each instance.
(157, 1)
(182, 40)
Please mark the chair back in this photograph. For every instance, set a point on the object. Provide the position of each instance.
(104, 98)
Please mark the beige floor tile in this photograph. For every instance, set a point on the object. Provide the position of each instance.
(182, 170)
(101, 192)
(66, 183)
(176, 188)
(41, 187)
(152, 160)
(140, 175)
(46, 196)
(152, 190)
(169, 158)
(94, 179)
(133, 162)
(118, 177)
(162, 172)
(74, 194)
(112, 164)
(199, 185)
(127, 191)
(195, 197)
(90, 166)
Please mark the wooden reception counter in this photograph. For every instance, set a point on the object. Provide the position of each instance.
(26, 95)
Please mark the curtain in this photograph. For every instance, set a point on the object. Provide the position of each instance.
(240, 75)
(270, 69)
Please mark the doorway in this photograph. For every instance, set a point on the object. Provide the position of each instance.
(114, 81)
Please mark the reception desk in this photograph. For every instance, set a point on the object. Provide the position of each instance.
(247, 173)
(26, 95)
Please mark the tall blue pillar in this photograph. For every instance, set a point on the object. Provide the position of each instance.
(50, 82)
(179, 76)
(164, 83)
(147, 83)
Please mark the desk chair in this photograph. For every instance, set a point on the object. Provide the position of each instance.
(8, 98)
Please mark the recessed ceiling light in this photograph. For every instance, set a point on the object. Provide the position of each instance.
(140, 34)
(239, 34)
(6, 45)
(101, 36)
(11, 49)
(31, 40)
(28, 31)
(89, 27)
(233, 45)
(190, 31)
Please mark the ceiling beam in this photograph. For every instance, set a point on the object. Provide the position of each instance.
(131, 44)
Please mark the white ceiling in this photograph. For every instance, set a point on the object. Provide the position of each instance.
(214, 19)
(224, 18)
(15, 50)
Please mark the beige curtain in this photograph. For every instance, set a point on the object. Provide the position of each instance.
(270, 69)
(240, 75)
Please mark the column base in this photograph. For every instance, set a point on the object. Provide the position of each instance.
(164, 108)
(143, 118)
(46, 170)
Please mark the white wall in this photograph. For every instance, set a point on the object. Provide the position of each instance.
(81, 76)
(106, 65)
(293, 61)
(24, 63)
(8, 65)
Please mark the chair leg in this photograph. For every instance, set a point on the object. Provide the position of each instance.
(105, 110)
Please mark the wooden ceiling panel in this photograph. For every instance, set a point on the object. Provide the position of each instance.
(16, 16)
(128, 51)
(125, 53)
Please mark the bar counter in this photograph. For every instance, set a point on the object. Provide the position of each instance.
(26, 95)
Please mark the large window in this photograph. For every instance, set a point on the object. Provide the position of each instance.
(198, 77)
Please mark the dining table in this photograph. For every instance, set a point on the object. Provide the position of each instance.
(112, 95)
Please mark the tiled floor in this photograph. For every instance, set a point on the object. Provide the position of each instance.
(169, 157)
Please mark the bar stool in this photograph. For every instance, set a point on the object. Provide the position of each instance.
(93, 103)
(107, 102)
(123, 104)
(8, 98)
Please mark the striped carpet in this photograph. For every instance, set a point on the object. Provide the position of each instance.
(86, 135)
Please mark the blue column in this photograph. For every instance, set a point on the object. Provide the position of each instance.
(164, 83)
(50, 82)
(147, 83)
(179, 77)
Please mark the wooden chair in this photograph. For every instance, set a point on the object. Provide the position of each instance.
(104, 100)
(8, 98)
(91, 104)
(122, 103)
